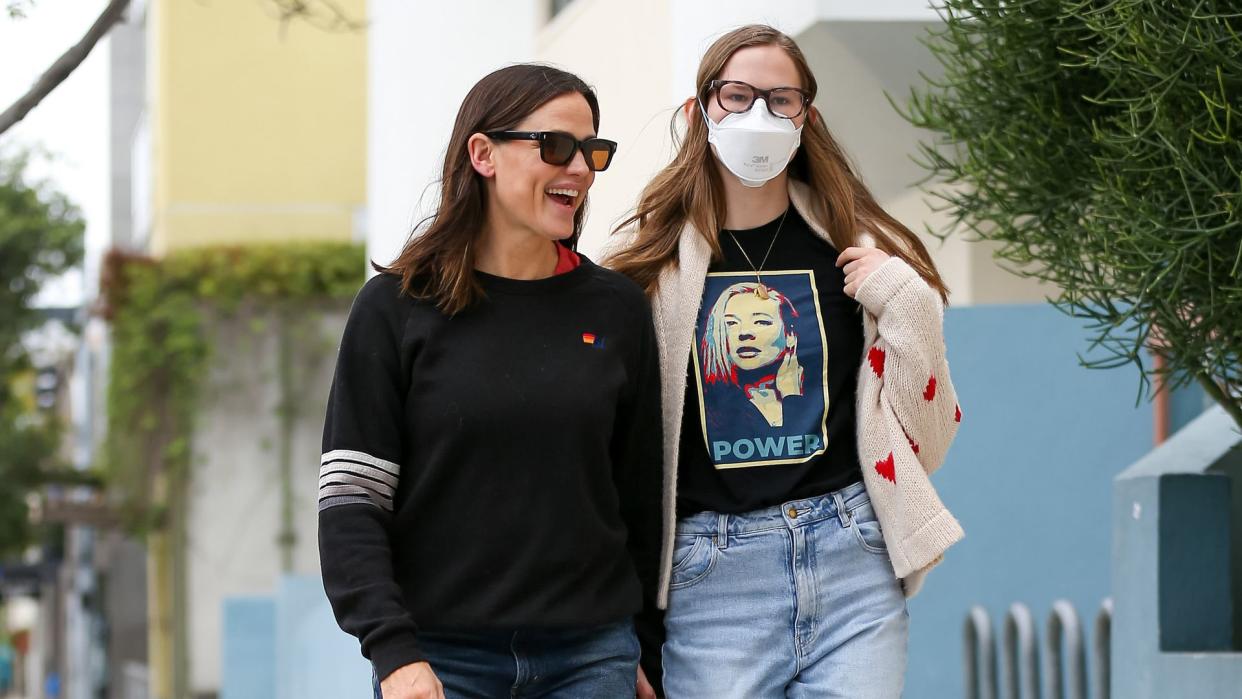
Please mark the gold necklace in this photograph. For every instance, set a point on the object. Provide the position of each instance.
(760, 290)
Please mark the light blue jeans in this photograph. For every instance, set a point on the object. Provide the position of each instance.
(792, 601)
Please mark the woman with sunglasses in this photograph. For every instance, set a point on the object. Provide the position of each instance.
(793, 536)
(489, 492)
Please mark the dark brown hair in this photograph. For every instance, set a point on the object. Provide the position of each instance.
(437, 261)
(689, 189)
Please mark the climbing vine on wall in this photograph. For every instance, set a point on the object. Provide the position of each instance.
(159, 312)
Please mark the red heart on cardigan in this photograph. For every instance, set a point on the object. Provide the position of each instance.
(957, 413)
(875, 356)
(930, 391)
(914, 446)
(886, 468)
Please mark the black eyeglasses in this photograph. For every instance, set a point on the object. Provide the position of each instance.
(738, 97)
(557, 148)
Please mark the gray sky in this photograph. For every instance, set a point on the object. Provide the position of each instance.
(71, 125)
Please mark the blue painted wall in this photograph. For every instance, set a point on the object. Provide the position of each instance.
(314, 658)
(1029, 477)
(288, 646)
(248, 659)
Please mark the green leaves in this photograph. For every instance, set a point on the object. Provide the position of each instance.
(40, 238)
(27, 454)
(161, 345)
(1098, 144)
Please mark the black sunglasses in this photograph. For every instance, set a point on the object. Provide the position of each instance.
(557, 148)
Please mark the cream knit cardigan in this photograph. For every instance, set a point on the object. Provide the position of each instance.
(907, 409)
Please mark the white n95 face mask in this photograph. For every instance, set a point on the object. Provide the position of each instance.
(755, 146)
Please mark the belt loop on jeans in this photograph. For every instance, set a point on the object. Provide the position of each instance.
(839, 502)
(722, 531)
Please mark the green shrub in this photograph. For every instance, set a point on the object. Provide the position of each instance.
(1098, 144)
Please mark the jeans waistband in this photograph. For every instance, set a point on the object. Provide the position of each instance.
(788, 515)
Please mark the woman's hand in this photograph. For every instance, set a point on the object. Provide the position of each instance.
(413, 681)
(859, 264)
(645, 690)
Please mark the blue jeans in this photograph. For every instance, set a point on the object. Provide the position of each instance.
(601, 661)
(792, 601)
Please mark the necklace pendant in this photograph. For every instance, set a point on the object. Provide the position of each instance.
(761, 291)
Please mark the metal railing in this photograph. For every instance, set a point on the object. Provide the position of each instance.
(1064, 671)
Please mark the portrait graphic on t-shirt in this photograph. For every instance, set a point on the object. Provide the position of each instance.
(760, 361)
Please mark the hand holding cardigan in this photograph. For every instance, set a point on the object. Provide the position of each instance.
(859, 264)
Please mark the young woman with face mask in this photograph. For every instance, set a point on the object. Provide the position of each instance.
(800, 515)
(489, 492)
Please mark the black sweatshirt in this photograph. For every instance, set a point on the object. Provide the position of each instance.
(497, 469)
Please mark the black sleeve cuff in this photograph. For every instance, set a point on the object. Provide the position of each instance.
(394, 654)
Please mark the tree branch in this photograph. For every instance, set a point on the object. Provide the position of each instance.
(63, 66)
(324, 14)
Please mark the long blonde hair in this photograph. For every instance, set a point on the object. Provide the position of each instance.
(689, 189)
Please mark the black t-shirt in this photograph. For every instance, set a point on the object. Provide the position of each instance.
(770, 410)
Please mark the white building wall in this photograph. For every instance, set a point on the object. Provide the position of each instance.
(629, 71)
(696, 24)
(235, 501)
(423, 58)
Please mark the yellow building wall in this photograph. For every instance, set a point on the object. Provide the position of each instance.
(259, 127)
